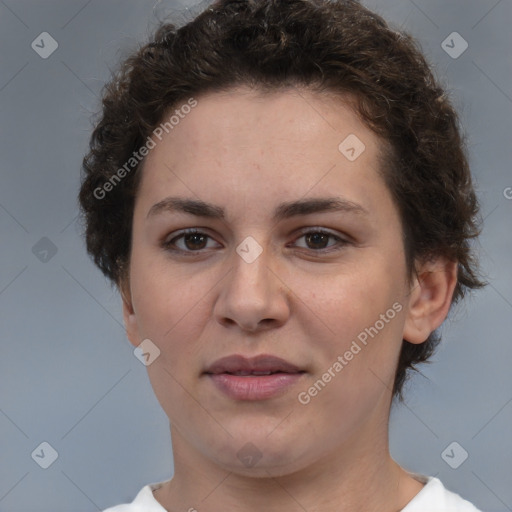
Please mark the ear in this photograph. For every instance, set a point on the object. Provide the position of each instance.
(129, 316)
(430, 298)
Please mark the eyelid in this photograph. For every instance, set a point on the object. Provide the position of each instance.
(320, 229)
(168, 240)
(341, 240)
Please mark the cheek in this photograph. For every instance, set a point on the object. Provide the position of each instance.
(171, 312)
(162, 294)
(364, 316)
(350, 302)
(358, 355)
(172, 315)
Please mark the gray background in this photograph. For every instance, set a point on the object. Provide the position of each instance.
(68, 375)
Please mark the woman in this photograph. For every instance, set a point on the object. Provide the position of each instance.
(280, 192)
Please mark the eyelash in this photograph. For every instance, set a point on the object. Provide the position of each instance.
(168, 244)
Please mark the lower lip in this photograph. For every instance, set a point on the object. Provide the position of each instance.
(254, 387)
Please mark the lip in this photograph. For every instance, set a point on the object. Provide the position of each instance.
(235, 376)
(261, 363)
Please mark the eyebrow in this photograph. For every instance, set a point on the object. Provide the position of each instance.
(283, 211)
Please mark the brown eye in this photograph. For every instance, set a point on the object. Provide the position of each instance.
(193, 241)
(317, 240)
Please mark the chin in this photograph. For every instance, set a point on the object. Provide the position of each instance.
(268, 466)
(260, 455)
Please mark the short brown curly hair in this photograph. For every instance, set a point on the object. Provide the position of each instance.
(335, 46)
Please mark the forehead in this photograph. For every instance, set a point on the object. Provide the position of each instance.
(251, 146)
(243, 120)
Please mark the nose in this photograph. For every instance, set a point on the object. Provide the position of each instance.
(253, 295)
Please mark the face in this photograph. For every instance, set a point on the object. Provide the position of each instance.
(280, 274)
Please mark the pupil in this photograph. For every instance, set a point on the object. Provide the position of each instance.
(316, 237)
(196, 237)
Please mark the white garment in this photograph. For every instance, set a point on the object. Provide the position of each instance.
(434, 497)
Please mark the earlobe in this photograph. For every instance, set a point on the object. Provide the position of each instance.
(129, 316)
(430, 299)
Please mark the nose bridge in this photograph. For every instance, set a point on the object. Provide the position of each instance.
(252, 292)
(250, 262)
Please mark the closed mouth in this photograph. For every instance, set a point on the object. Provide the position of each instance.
(261, 365)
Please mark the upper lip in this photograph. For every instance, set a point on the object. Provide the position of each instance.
(262, 363)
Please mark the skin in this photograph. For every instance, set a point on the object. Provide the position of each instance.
(247, 153)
